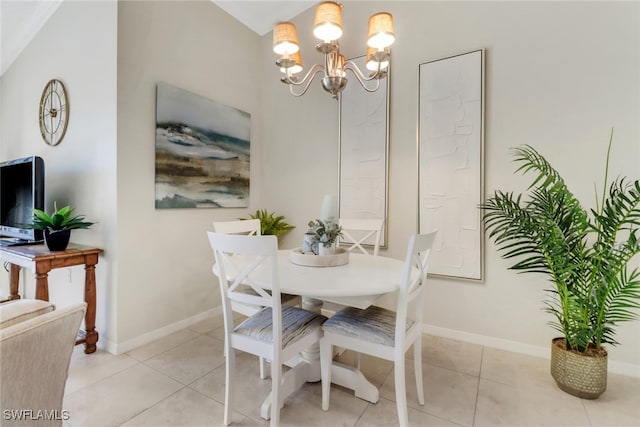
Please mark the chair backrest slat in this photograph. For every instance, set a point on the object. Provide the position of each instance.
(413, 281)
(243, 279)
(355, 233)
(250, 227)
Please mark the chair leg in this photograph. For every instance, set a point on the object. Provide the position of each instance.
(326, 360)
(276, 386)
(401, 393)
(230, 363)
(417, 365)
(263, 368)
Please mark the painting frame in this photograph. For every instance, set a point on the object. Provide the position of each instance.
(451, 124)
(202, 152)
(364, 169)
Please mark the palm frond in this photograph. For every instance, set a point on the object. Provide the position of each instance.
(585, 257)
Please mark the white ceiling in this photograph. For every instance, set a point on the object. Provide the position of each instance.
(262, 15)
(20, 20)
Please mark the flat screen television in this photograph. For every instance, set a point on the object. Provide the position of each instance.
(21, 191)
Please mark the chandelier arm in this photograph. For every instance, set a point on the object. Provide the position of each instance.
(377, 74)
(306, 80)
(349, 65)
(303, 81)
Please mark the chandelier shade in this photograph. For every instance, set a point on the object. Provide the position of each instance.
(293, 62)
(327, 25)
(327, 28)
(285, 39)
(381, 32)
(377, 59)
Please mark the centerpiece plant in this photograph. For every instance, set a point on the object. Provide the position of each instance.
(324, 234)
(584, 254)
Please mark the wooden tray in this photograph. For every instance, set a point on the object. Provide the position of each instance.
(341, 257)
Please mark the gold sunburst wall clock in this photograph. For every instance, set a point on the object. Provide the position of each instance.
(54, 112)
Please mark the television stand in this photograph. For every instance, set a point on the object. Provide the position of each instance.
(39, 259)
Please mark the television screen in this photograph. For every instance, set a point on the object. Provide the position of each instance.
(21, 190)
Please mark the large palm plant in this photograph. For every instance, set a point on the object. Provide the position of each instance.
(585, 255)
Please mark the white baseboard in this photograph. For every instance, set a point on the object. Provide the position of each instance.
(143, 339)
(622, 368)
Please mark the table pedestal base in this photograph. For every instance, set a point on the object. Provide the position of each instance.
(352, 378)
(307, 369)
(293, 379)
(342, 375)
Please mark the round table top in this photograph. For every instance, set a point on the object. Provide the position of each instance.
(363, 275)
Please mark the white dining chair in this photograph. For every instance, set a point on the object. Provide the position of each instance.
(384, 333)
(250, 227)
(356, 231)
(277, 333)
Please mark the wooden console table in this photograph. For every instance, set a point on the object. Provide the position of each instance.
(39, 259)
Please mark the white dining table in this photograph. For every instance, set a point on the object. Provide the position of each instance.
(359, 283)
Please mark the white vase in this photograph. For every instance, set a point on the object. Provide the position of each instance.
(326, 250)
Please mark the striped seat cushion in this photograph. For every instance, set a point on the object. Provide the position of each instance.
(296, 323)
(374, 324)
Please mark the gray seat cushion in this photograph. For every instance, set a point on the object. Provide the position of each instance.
(374, 324)
(296, 323)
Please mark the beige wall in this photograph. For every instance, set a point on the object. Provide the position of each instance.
(558, 77)
(78, 46)
(164, 274)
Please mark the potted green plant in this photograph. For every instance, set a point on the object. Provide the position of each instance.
(270, 223)
(57, 226)
(584, 254)
(323, 235)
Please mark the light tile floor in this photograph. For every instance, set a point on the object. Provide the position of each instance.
(179, 381)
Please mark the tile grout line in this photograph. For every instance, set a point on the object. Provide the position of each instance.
(152, 406)
(475, 406)
(105, 378)
(142, 362)
(586, 412)
(170, 348)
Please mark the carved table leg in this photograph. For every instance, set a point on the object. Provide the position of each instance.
(91, 336)
(14, 281)
(42, 280)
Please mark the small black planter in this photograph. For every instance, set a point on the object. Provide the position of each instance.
(58, 240)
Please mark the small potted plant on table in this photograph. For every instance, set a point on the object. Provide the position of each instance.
(324, 235)
(57, 226)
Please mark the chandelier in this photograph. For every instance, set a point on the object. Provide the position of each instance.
(327, 28)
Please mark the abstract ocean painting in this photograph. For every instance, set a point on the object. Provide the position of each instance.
(202, 152)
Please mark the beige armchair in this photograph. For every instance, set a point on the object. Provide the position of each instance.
(36, 342)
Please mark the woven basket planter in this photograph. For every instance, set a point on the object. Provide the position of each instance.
(580, 375)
